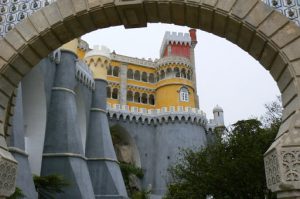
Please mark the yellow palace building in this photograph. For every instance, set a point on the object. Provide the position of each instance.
(168, 82)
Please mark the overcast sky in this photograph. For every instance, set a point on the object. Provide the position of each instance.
(226, 75)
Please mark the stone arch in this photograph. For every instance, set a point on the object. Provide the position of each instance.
(265, 34)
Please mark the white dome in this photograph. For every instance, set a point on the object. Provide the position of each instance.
(218, 109)
(104, 51)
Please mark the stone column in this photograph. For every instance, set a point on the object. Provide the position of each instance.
(63, 151)
(192, 58)
(24, 179)
(104, 168)
(123, 84)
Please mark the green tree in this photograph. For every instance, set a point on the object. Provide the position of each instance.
(48, 186)
(231, 168)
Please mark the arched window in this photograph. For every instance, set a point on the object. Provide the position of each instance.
(157, 77)
(137, 97)
(183, 73)
(115, 93)
(130, 74)
(189, 75)
(184, 94)
(169, 73)
(151, 99)
(177, 72)
(116, 71)
(137, 75)
(108, 92)
(151, 78)
(109, 71)
(144, 77)
(144, 98)
(129, 96)
(162, 74)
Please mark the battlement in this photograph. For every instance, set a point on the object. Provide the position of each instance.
(157, 116)
(174, 38)
(84, 75)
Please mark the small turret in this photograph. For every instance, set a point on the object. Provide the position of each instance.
(98, 60)
(218, 116)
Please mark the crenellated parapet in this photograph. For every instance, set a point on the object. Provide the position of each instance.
(141, 62)
(174, 60)
(157, 116)
(84, 74)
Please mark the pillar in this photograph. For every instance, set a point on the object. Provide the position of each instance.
(24, 179)
(104, 168)
(123, 84)
(192, 58)
(63, 151)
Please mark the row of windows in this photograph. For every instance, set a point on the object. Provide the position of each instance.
(175, 72)
(132, 96)
(150, 77)
(144, 98)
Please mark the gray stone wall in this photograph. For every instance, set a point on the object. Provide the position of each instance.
(158, 146)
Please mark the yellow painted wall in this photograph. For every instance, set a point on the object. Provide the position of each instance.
(167, 93)
(140, 105)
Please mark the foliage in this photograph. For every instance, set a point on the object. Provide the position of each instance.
(127, 171)
(231, 168)
(18, 194)
(48, 186)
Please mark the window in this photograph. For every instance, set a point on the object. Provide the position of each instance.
(184, 94)
(130, 74)
(129, 96)
(108, 92)
(116, 71)
(115, 93)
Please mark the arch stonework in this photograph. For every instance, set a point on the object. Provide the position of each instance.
(264, 33)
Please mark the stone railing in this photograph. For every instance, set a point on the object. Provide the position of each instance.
(157, 116)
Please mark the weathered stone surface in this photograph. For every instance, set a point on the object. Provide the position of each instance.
(219, 24)
(268, 55)
(225, 6)
(273, 22)
(245, 37)
(278, 66)
(289, 93)
(257, 46)
(242, 8)
(292, 50)
(258, 14)
(287, 34)
(232, 30)
(284, 79)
